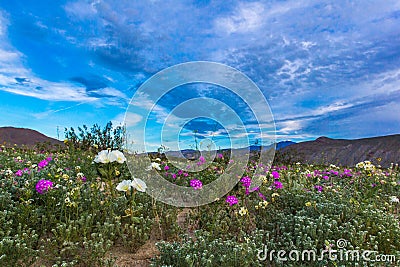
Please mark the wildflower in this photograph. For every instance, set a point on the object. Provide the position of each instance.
(246, 181)
(319, 188)
(117, 156)
(308, 204)
(196, 184)
(117, 172)
(394, 199)
(43, 186)
(77, 168)
(232, 200)
(201, 161)
(173, 175)
(166, 168)
(278, 185)
(102, 157)
(139, 184)
(43, 164)
(275, 174)
(19, 173)
(155, 165)
(243, 211)
(263, 204)
(275, 195)
(65, 176)
(124, 186)
(326, 177)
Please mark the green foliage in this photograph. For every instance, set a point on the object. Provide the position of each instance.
(96, 138)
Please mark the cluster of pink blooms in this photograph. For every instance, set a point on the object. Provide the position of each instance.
(201, 161)
(44, 163)
(43, 186)
(231, 200)
(21, 172)
(196, 184)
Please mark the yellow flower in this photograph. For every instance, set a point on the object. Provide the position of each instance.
(263, 204)
(275, 195)
(65, 141)
(308, 204)
(117, 172)
(65, 176)
(243, 211)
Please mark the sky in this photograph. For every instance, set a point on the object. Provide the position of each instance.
(326, 68)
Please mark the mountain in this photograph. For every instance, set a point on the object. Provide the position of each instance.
(23, 136)
(382, 150)
(283, 144)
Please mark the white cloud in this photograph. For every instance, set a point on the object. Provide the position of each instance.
(248, 17)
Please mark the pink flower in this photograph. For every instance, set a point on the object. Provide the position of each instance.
(246, 181)
(278, 185)
(173, 175)
(319, 188)
(231, 200)
(326, 177)
(43, 186)
(19, 173)
(275, 174)
(43, 164)
(166, 168)
(196, 184)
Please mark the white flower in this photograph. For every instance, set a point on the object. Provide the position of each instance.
(139, 184)
(156, 166)
(125, 185)
(117, 156)
(102, 157)
(243, 211)
(394, 199)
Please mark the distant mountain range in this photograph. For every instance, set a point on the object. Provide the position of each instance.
(382, 150)
(22, 136)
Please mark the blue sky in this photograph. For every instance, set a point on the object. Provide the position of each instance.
(327, 68)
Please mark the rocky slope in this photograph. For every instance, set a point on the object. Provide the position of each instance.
(380, 150)
(22, 136)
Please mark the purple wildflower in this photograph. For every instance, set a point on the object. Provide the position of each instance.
(19, 173)
(43, 186)
(43, 164)
(173, 175)
(246, 181)
(196, 184)
(275, 174)
(326, 177)
(262, 196)
(278, 185)
(166, 168)
(232, 200)
(319, 188)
